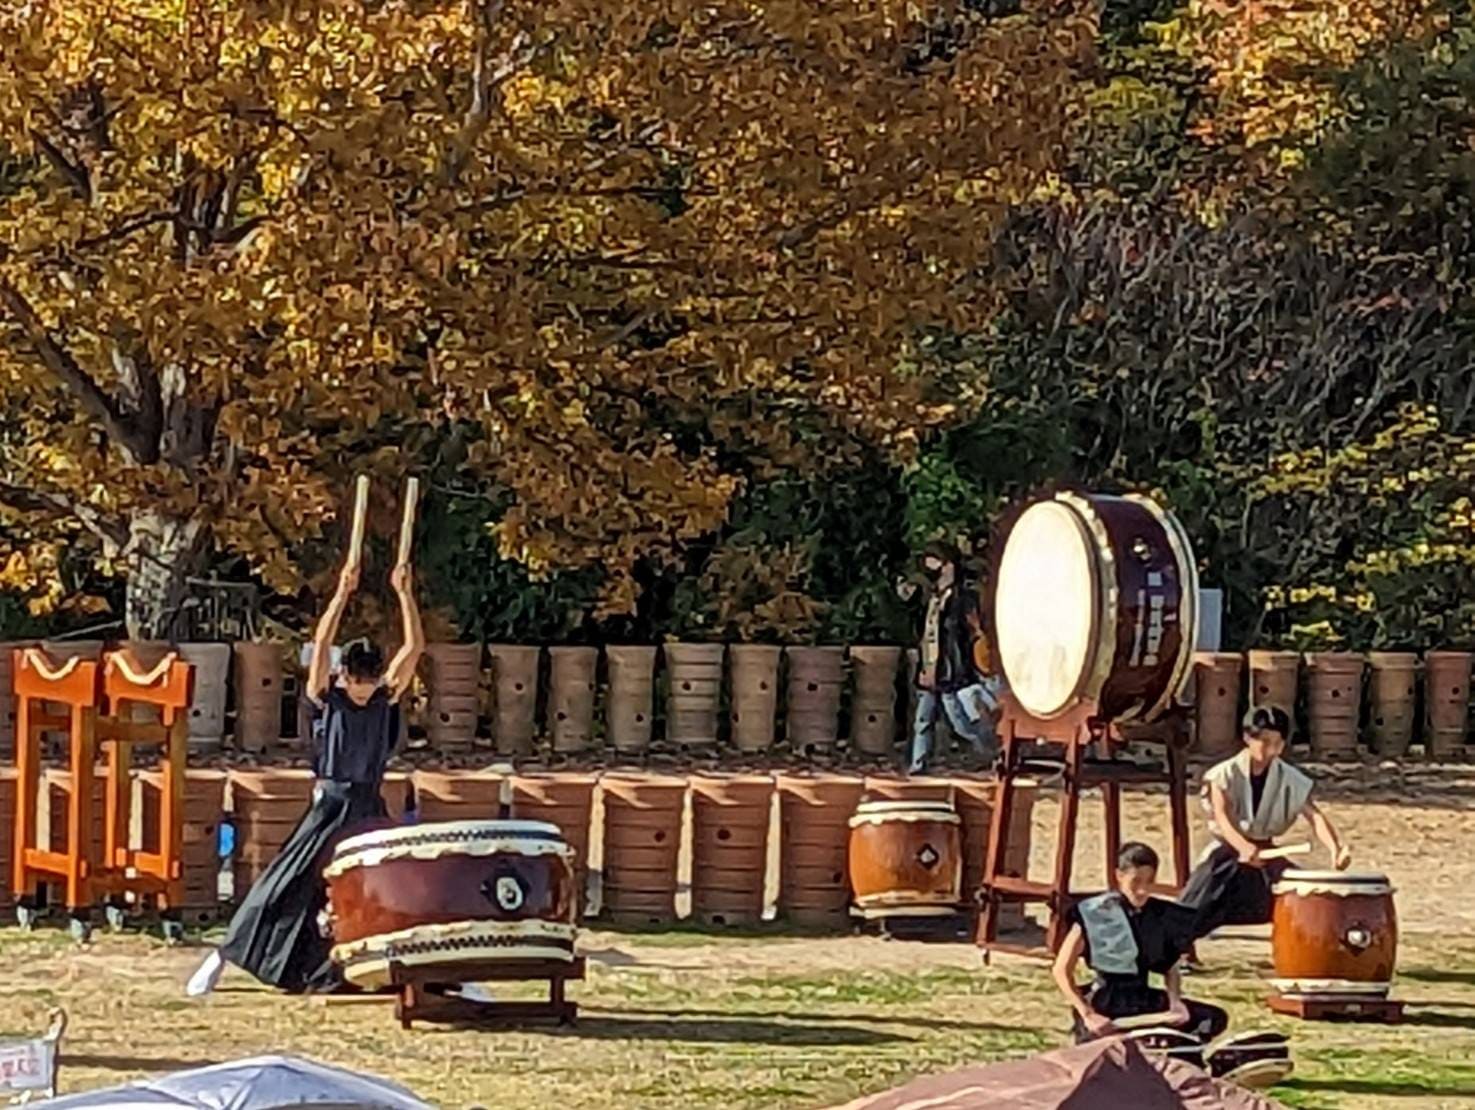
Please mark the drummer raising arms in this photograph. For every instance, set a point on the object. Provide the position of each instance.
(1124, 936)
(275, 933)
(1252, 799)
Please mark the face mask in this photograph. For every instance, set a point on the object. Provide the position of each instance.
(932, 573)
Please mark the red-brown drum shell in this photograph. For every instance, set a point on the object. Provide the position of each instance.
(905, 857)
(451, 879)
(1334, 933)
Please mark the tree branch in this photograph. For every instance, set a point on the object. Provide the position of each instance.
(93, 399)
(486, 78)
(76, 176)
(25, 500)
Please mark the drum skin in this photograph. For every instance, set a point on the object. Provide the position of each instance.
(439, 898)
(1334, 934)
(906, 859)
(1143, 611)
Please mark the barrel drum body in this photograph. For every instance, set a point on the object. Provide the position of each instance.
(436, 902)
(1334, 935)
(1096, 603)
(905, 859)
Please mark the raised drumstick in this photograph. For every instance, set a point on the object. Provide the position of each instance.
(360, 515)
(407, 523)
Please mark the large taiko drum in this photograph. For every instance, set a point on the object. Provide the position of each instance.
(441, 901)
(1334, 935)
(1096, 601)
(906, 859)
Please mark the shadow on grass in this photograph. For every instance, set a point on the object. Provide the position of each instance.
(594, 1025)
(1388, 1088)
(881, 1017)
(131, 1063)
(1438, 975)
(1436, 1019)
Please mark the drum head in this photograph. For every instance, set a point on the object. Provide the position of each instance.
(1045, 608)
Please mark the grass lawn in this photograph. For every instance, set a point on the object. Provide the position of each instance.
(690, 1020)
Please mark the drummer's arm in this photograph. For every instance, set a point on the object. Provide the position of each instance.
(1326, 832)
(327, 632)
(1065, 972)
(1228, 827)
(401, 670)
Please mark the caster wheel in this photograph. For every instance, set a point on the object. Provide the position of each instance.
(25, 917)
(173, 932)
(81, 930)
(115, 918)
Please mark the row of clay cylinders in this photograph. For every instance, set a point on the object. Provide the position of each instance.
(816, 679)
(1334, 683)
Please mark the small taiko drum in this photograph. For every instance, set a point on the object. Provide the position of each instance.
(906, 859)
(1096, 604)
(441, 902)
(1334, 935)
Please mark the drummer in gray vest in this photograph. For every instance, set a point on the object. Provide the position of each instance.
(1125, 936)
(1253, 799)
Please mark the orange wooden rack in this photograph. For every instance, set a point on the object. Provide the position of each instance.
(97, 701)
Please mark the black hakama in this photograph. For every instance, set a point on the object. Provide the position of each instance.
(275, 933)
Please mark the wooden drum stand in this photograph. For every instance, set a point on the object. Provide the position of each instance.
(1072, 735)
(86, 869)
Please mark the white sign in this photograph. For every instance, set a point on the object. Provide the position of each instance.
(1210, 620)
(27, 1066)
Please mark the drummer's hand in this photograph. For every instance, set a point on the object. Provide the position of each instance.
(1098, 1025)
(1250, 856)
(348, 579)
(400, 578)
(1178, 1013)
(1344, 858)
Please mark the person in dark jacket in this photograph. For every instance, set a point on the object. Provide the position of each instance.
(274, 934)
(948, 678)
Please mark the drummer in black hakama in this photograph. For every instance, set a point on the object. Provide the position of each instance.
(275, 934)
(1124, 937)
(1253, 799)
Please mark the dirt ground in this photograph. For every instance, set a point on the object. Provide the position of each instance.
(683, 1019)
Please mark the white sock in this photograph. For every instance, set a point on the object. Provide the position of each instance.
(203, 981)
(474, 992)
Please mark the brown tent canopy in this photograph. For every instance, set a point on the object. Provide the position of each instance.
(1096, 1076)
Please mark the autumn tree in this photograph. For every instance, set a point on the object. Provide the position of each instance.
(646, 250)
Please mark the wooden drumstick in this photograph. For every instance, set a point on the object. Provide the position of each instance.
(1284, 851)
(360, 515)
(407, 523)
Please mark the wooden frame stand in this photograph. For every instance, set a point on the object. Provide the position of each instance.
(88, 871)
(1388, 1011)
(1072, 736)
(421, 1001)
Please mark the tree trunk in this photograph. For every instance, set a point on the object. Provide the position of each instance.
(162, 552)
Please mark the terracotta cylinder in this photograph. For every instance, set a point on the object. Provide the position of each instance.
(212, 684)
(631, 696)
(457, 796)
(694, 683)
(571, 697)
(258, 690)
(754, 694)
(204, 806)
(565, 800)
(266, 804)
(1216, 703)
(910, 788)
(816, 678)
(1447, 702)
(7, 831)
(1392, 686)
(1275, 679)
(515, 677)
(814, 836)
(452, 695)
(7, 699)
(1334, 702)
(873, 711)
(973, 798)
(642, 839)
(729, 863)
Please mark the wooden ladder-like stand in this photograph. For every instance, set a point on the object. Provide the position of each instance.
(1070, 738)
(88, 871)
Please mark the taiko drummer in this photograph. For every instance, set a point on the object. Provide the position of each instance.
(1253, 799)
